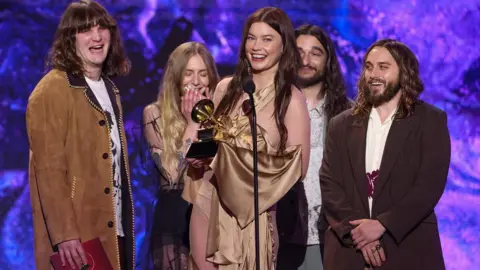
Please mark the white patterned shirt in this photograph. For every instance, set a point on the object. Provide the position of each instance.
(312, 182)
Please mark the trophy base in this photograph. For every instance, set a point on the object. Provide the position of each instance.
(202, 149)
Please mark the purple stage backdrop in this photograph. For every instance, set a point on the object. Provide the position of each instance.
(444, 34)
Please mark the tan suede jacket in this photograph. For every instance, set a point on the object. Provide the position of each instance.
(71, 174)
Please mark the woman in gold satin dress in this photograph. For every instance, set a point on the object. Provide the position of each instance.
(222, 224)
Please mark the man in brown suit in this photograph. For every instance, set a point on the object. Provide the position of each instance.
(384, 169)
(79, 176)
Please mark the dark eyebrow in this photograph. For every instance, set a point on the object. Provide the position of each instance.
(263, 36)
(318, 48)
(380, 63)
(385, 63)
(201, 70)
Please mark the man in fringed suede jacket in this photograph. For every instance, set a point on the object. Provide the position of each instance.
(79, 175)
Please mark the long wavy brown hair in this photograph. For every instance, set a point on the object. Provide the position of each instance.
(286, 74)
(78, 17)
(409, 82)
(336, 100)
(171, 124)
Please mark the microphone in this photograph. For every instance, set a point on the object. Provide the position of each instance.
(249, 88)
(249, 85)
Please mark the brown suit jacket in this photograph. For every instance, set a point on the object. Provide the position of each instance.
(412, 178)
(71, 174)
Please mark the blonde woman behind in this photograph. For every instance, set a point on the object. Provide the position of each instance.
(191, 74)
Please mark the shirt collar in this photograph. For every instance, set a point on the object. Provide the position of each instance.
(374, 115)
(319, 107)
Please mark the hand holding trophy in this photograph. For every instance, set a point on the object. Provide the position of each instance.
(206, 145)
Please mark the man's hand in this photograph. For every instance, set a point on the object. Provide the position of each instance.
(72, 251)
(367, 231)
(374, 254)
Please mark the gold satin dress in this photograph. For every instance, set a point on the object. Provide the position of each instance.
(231, 236)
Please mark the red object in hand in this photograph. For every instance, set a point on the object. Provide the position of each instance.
(96, 257)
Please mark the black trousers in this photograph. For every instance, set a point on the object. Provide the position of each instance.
(121, 249)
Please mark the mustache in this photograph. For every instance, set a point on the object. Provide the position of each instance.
(376, 80)
(308, 66)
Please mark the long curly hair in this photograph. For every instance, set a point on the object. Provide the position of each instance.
(285, 76)
(171, 123)
(410, 84)
(80, 16)
(336, 100)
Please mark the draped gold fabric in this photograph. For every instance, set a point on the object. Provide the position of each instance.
(231, 240)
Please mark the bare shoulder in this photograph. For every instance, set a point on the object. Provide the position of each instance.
(297, 108)
(222, 85)
(221, 89)
(298, 99)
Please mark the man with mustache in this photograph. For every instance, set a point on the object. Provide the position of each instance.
(384, 169)
(322, 83)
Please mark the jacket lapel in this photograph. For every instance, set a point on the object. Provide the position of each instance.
(112, 93)
(81, 83)
(396, 139)
(357, 137)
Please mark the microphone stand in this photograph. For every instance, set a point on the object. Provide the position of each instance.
(253, 125)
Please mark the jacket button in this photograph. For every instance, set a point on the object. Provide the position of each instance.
(105, 155)
(101, 122)
(110, 224)
(107, 190)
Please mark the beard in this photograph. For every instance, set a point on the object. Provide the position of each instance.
(391, 90)
(318, 76)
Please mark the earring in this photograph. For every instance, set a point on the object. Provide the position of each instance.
(249, 69)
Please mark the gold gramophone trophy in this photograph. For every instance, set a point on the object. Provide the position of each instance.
(206, 146)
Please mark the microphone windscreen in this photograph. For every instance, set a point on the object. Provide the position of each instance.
(249, 85)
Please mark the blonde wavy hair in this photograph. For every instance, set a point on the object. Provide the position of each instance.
(171, 122)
